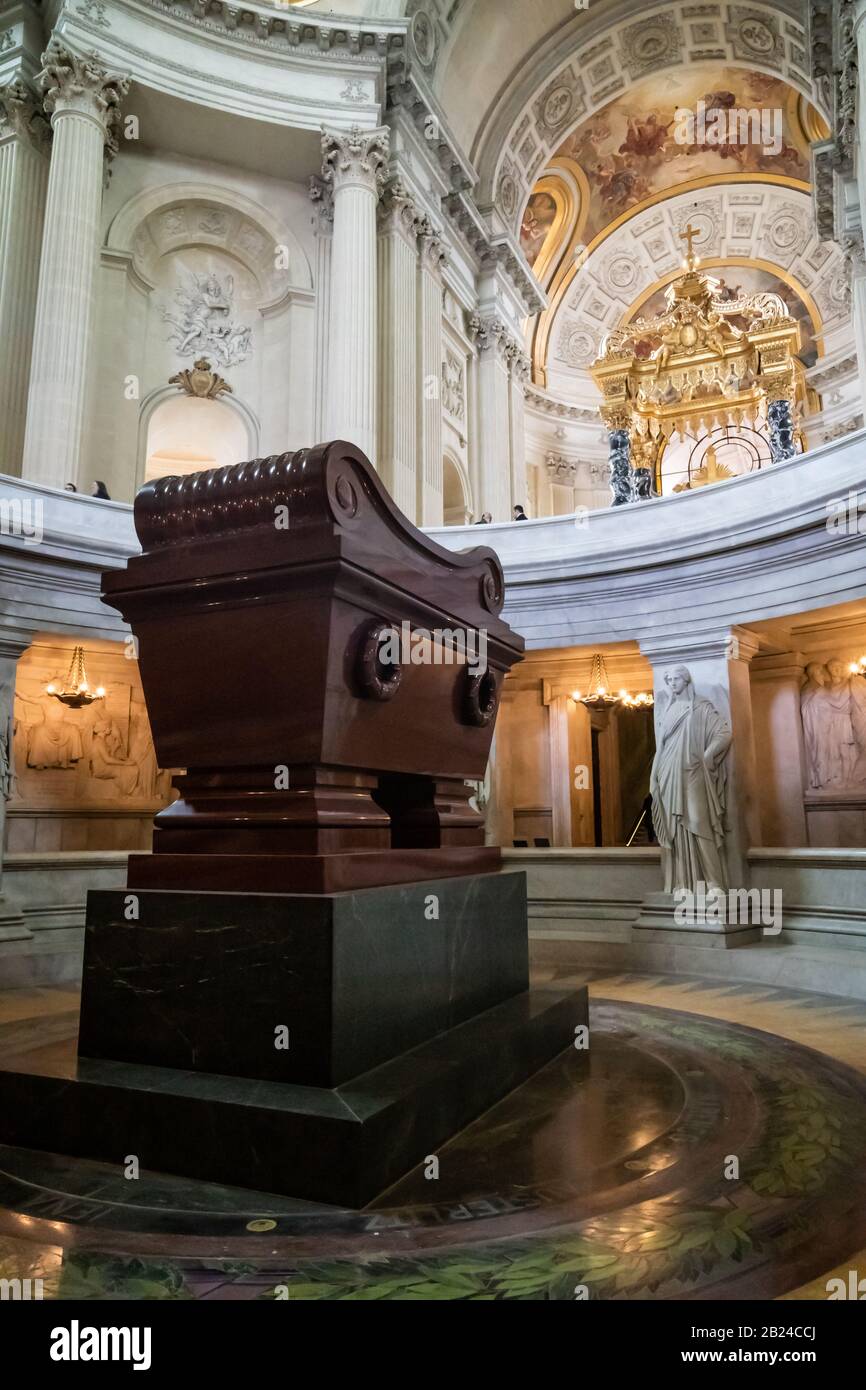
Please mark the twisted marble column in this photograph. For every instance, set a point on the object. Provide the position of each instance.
(354, 165)
(781, 423)
(83, 101)
(24, 147)
(620, 468)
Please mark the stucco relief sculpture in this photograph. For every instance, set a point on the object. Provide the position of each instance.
(833, 711)
(205, 322)
(51, 737)
(110, 765)
(687, 784)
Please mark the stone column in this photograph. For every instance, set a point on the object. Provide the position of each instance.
(520, 370)
(495, 348)
(560, 771)
(83, 100)
(24, 147)
(719, 667)
(323, 223)
(431, 264)
(500, 814)
(12, 924)
(354, 164)
(776, 682)
(399, 221)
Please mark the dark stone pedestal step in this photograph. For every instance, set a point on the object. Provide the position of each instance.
(343, 1146)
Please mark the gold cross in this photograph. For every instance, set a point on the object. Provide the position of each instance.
(689, 235)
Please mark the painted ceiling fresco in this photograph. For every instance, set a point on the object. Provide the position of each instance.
(630, 149)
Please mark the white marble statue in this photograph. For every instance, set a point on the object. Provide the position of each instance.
(687, 784)
(833, 711)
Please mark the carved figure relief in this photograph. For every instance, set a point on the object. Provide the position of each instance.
(52, 737)
(454, 386)
(204, 322)
(833, 711)
(105, 751)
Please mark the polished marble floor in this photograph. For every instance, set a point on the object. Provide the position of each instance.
(711, 1148)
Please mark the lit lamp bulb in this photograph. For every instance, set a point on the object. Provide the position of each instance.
(100, 691)
(575, 695)
(50, 689)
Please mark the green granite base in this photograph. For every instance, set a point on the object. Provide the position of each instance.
(343, 1146)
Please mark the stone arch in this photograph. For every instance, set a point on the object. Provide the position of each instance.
(159, 220)
(456, 492)
(555, 93)
(164, 395)
(769, 225)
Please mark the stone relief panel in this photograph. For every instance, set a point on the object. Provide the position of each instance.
(68, 760)
(454, 386)
(202, 322)
(833, 712)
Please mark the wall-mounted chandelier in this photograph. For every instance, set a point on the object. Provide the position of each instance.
(707, 363)
(600, 696)
(75, 691)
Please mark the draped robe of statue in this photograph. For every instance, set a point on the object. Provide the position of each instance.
(687, 784)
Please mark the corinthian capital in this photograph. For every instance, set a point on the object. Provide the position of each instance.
(356, 157)
(398, 211)
(493, 335)
(21, 114)
(73, 82)
(434, 256)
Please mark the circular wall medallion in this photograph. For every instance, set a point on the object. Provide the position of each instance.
(623, 272)
(558, 106)
(652, 42)
(577, 348)
(424, 38)
(508, 195)
(756, 36)
(784, 231)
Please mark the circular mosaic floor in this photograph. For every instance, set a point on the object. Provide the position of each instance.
(691, 1158)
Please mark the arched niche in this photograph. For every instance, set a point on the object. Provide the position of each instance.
(181, 434)
(456, 497)
(192, 271)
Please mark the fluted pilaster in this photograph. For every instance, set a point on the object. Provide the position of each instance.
(500, 361)
(353, 165)
(24, 147)
(83, 100)
(323, 202)
(432, 262)
(399, 221)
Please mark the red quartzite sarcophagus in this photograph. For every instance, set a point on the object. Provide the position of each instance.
(328, 678)
(264, 601)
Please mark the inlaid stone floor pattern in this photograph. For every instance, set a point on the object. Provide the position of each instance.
(709, 1146)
